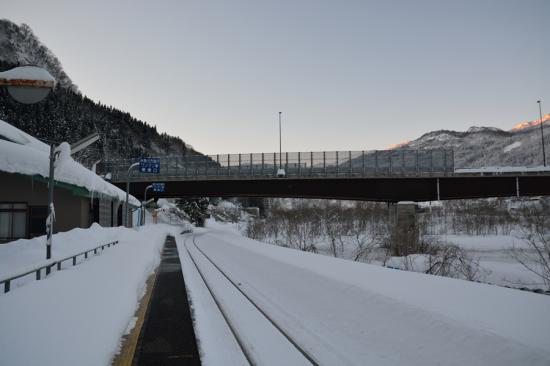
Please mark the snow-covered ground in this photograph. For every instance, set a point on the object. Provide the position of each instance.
(347, 313)
(496, 262)
(493, 253)
(337, 312)
(75, 316)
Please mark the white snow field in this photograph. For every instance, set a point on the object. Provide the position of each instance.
(346, 313)
(75, 316)
(314, 309)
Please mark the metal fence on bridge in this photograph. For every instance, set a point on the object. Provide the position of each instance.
(295, 164)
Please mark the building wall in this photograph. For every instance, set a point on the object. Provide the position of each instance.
(71, 210)
(105, 212)
(117, 214)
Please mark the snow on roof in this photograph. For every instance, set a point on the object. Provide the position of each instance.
(21, 153)
(27, 73)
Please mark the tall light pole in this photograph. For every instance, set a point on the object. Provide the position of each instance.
(126, 222)
(280, 144)
(542, 133)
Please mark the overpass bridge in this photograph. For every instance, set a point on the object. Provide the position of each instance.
(387, 175)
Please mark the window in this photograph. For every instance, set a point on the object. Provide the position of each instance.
(37, 220)
(13, 221)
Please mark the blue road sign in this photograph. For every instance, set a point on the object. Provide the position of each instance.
(149, 165)
(158, 187)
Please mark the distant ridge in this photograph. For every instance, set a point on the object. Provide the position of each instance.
(489, 146)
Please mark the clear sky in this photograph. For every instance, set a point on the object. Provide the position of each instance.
(347, 75)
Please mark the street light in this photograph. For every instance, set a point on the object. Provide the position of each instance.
(30, 85)
(280, 144)
(128, 193)
(145, 202)
(281, 172)
(542, 133)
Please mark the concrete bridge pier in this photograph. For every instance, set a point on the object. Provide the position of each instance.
(405, 236)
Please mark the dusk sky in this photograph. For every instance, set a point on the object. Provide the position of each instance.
(347, 75)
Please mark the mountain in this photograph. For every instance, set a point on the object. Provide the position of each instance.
(67, 115)
(19, 46)
(489, 146)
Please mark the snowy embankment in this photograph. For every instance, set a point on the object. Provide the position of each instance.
(75, 316)
(349, 313)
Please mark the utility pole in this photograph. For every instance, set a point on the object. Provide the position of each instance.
(542, 133)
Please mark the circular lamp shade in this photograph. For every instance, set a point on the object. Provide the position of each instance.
(28, 94)
(27, 84)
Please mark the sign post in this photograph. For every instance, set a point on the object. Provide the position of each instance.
(146, 166)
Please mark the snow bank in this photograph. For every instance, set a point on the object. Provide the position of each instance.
(78, 315)
(484, 242)
(25, 154)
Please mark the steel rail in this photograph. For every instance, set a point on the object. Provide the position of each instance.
(224, 315)
(304, 353)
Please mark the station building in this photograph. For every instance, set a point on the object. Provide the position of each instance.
(81, 197)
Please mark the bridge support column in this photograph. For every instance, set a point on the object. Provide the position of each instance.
(405, 236)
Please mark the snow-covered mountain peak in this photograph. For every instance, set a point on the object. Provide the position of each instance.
(530, 124)
(487, 146)
(475, 129)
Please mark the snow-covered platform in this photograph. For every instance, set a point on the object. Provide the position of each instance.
(167, 336)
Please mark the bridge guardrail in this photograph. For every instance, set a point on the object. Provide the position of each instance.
(295, 164)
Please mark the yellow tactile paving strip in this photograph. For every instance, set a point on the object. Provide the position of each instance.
(129, 341)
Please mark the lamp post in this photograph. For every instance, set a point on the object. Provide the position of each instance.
(126, 222)
(280, 144)
(542, 133)
(145, 202)
(280, 172)
(30, 85)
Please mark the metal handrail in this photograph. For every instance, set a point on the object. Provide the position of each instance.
(49, 266)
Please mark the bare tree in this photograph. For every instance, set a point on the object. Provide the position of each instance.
(535, 257)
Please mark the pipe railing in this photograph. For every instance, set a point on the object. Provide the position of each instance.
(295, 164)
(58, 263)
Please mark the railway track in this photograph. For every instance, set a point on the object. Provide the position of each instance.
(297, 353)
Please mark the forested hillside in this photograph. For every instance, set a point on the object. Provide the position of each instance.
(67, 115)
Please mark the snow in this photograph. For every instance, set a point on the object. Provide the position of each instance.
(484, 242)
(345, 312)
(340, 312)
(164, 204)
(76, 316)
(512, 146)
(27, 155)
(27, 73)
(227, 205)
(504, 169)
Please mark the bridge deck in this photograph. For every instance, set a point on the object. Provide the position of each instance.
(387, 189)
